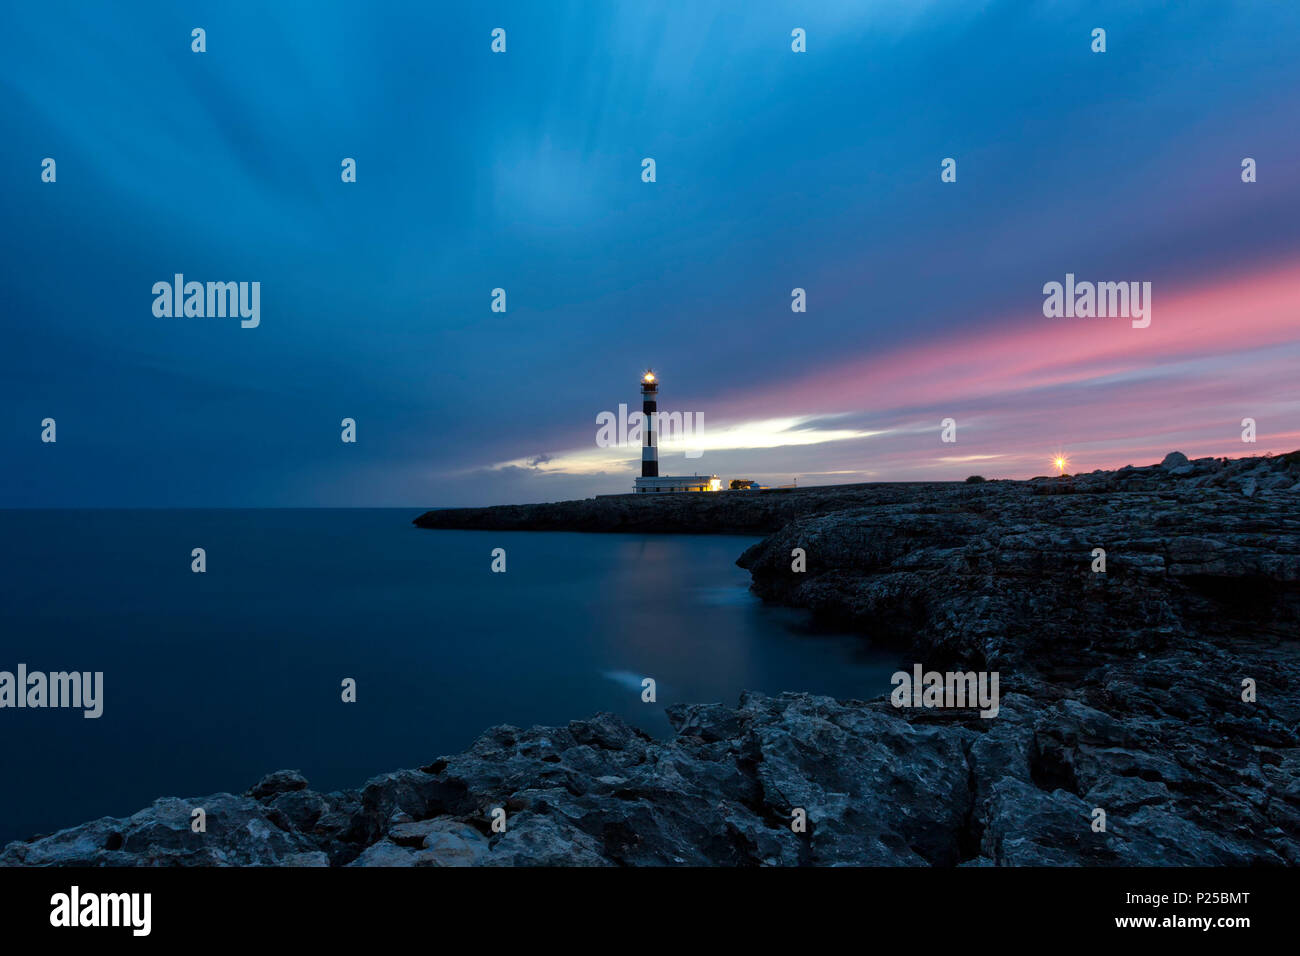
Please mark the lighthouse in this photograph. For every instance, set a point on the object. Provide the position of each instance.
(651, 481)
(649, 408)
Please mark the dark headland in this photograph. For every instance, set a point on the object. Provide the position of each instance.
(1120, 691)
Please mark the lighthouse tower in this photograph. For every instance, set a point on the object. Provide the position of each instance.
(649, 405)
(651, 481)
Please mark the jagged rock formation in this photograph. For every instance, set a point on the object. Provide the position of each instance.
(1128, 683)
(1121, 691)
(1000, 573)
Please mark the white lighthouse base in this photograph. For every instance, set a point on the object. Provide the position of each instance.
(670, 483)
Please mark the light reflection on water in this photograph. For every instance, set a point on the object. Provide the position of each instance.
(212, 680)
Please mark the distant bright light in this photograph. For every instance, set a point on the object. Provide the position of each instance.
(649, 376)
(1060, 462)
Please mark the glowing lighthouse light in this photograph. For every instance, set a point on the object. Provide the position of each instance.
(1060, 461)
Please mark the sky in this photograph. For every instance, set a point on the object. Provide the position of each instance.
(522, 170)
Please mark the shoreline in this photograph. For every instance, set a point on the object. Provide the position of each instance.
(723, 512)
(1121, 691)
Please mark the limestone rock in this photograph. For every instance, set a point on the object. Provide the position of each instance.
(1120, 691)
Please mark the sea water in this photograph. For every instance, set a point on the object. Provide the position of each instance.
(213, 679)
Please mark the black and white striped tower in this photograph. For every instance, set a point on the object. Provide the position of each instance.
(649, 405)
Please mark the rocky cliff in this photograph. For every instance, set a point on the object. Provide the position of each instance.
(1122, 690)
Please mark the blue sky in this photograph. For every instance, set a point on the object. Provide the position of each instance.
(775, 170)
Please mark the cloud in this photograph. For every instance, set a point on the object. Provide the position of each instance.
(1020, 391)
(754, 435)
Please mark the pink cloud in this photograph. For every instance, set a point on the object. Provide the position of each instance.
(1212, 355)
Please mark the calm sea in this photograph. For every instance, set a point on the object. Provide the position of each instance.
(212, 680)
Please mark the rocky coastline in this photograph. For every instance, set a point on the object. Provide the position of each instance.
(1122, 690)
